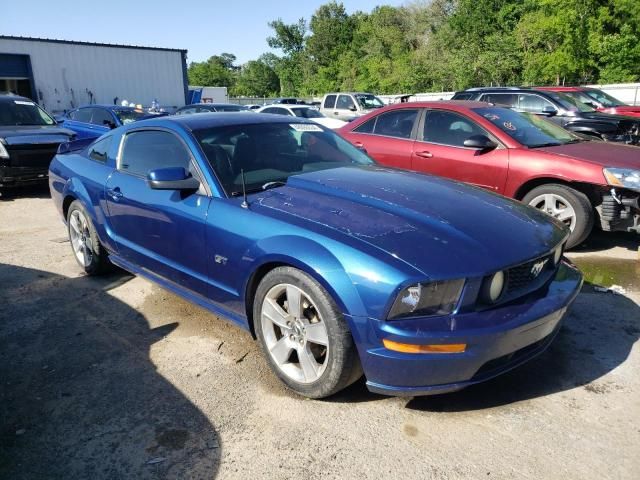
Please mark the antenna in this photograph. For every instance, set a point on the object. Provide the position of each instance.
(244, 203)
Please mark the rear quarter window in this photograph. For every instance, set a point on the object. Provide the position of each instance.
(99, 151)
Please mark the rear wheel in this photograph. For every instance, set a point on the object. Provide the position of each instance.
(87, 249)
(303, 334)
(568, 205)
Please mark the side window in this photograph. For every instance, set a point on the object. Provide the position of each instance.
(463, 96)
(82, 115)
(99, 151)
(270, 110)
(448, 128)
(186, 111)
(366, 127)
(329, 102)
(100, 116)
(151, 149)
(397, 123)
(534, 103)
(345, 102)
(204, 110)
(509, 99)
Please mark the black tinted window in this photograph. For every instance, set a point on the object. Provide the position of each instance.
(148, 150)
(463, 96)
(509, 99)
(397, 123)
(344, 102)
(366, 127)
(23, 112)
(277, 111)
(330, 101)
(101, 117)
(99, 151)
(82, 115)
(449, 128)
(186, 111)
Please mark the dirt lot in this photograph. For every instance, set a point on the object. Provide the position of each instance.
(116, 378)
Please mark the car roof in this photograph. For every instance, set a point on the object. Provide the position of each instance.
(563, 89)
(212, 105)
(218, 119)
(451, 104)
(7, 97)
(350, 93)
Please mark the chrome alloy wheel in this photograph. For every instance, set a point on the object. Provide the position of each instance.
(80, 238)
(556, 206)
(294, 333)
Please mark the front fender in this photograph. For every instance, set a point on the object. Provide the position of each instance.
(312, 258)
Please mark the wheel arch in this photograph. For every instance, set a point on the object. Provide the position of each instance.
(588, 189)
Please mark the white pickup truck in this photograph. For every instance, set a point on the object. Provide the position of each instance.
(349, 105)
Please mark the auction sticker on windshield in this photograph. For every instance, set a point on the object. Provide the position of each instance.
(305, 127)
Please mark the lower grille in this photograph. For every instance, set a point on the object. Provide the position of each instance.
(36, 156)
(529, 276)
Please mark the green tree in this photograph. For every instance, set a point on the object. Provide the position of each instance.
(257, 79)
(218, 71)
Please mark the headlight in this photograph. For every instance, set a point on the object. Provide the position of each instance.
(622, 177)
(427, 299)
(492, 288)
(3, 151)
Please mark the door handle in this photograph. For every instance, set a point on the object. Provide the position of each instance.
(358, 144)
(424, 154)
(114, 193)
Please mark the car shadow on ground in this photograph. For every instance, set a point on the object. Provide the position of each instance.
(600, 241)
(40, 190)
(80, 397)
(596, 337)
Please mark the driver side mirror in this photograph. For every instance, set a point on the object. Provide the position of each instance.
(109, 123)
(353, 108)
(549, 111)
(480, 142)
(172, 178)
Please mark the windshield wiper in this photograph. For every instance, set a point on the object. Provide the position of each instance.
(549, 144)
(275, 183)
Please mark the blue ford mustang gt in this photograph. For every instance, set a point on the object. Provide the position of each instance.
(336, 265)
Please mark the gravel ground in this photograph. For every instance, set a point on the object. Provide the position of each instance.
(115, 378)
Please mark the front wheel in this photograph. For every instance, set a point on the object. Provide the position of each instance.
(87, 249)
(566, 204)
(303, 334)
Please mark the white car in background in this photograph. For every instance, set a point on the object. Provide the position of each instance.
(303, 111)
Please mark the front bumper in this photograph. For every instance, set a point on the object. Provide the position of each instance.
(13, 176)
(497, 341)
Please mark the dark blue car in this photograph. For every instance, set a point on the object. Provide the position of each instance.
(336, 265)
(92, 121)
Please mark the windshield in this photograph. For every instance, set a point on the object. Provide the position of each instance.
(528, 129)
(571, 103)
(604, 99)
(272, 152)
(230, 108)
(23, 112)
(366, 100)
(307, 113)
(130, 115)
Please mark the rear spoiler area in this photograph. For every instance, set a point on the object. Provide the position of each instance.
(74, 146)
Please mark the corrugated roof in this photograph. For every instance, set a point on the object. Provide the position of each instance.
(94, 44)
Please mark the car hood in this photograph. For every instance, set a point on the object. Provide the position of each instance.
(333, 123)
(440, 227)
(30, 134)
(605, 117)
(606, 154)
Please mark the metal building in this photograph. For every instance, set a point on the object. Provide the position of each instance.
(61, 75)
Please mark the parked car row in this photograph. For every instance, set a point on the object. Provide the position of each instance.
(334, 249)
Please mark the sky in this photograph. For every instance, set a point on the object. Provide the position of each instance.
(204, 28)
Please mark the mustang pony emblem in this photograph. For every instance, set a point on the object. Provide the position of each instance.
(537, 268)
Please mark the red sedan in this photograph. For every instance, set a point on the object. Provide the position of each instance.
(601, 101)
(520, 155)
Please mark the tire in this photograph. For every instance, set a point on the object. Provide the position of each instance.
(552, 197)
(85, 245)
(295, 352)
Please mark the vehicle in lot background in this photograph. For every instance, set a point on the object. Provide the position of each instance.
(519, 155)
(337, 265)
(91, 121)
(596, 98)
(303, 111)
(29, 138)
(210, 107)
(207, 95)
(347, 105)
(561, 109)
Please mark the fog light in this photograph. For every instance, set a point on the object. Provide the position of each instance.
(432, 348)
(492, 287)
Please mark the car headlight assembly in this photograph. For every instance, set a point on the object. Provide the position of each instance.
(623, 177)
(427, 299)
(3, 151)
(493, 287)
